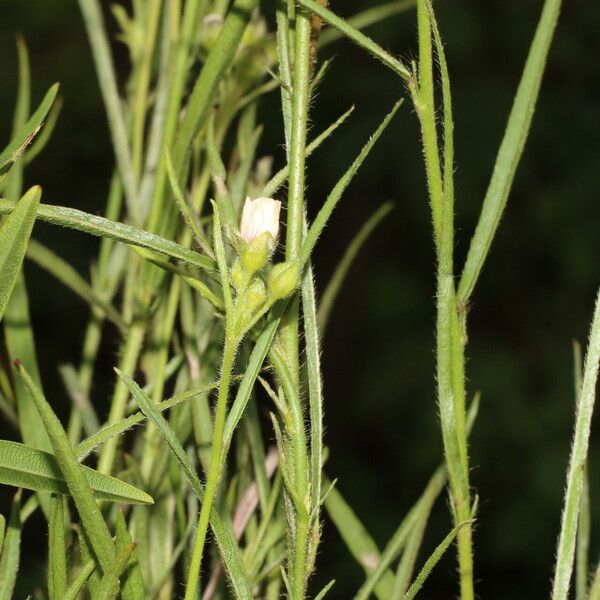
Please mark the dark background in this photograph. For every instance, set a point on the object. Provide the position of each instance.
(535, 295)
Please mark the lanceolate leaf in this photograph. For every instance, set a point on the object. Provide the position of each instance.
(57, 560)
(99, 226)
(26, 134)
(132, 586)
(109, 586)
(228, 547)
(11, 550)
(14, 236)
(25, 467)
(340, 187)
(93, 522)
(511, 149)
(66, 274)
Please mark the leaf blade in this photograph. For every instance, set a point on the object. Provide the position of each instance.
(14, 237)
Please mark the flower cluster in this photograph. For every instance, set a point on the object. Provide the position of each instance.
(257, 281)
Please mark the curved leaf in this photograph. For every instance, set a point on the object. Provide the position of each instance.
(14, 236)
(101, 227)
(25, 467)
(26, 134)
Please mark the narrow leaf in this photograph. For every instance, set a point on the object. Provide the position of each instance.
(255, 363)
(91, 517)
(358, 541)
(228, 547)
(367, 17)
(399, 540)
(337, 279)
(432, 561)
(11, 549)
(584, 524)
(281, 176)
(96, 30)
(99, 226)
(132, 586)
(585, 408)
(109, 586)
(32, 469)
(27, 133)
(57, 560)
(77, 586)
(334, 197)
(511, 149)
(14, 237)
(357, 37)
(2, 531)
(66, 274)
(324, 591)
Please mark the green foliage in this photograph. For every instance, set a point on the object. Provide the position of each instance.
(25, 467)
(201, 308)
(14, 236)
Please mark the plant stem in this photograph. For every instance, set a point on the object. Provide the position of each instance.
(212, 483)
(289, 332)
(127, 364)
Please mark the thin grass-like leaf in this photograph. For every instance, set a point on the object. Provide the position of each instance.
(511, 149)
(132, 584)
(11, 551)
(218, 61)
(255, 363)
(109, 586)
(353, 34)
(222, 262)
(228, 547)
(281, 176)
(324, 591)
(334, 197)
(109, 431)
(32, 469)
(74, 475)
(94, 23)
(337, 279)
(66, 274)
(79, 582)
(315, 397)
(80, 399)
(358, 541)
(191, 280)
(367, 17)
(14, 237)
(87, 556)
(43, 137)
(432, 561)
(27, 132)
(57, 559)
(398, 541)
(101, 227)
(585, 408)
(189, 217)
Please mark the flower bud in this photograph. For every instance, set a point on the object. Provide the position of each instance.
(258, 216)
(239, 277)
(257, 252)
(256, 295)
(283, 280)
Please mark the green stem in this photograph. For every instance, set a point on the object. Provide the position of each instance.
(212, 482)
(424, 102)
(289, 330)
(140, 100)
(127, 364)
